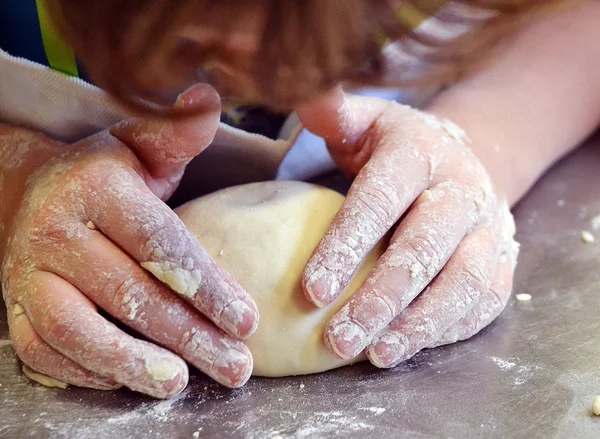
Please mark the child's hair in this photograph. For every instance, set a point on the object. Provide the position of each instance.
(137, 50)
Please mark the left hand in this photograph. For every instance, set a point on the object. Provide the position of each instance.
(447, 271)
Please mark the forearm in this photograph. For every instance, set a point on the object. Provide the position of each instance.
(532, 99)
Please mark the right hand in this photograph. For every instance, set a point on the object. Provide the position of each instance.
(77, 224)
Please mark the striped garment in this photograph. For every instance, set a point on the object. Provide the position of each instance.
(26, 31)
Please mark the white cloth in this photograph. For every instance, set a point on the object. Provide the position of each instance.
(69, 109)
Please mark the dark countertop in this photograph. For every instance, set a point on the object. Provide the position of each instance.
(533, 373)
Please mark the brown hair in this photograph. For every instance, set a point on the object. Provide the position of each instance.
(134, 49)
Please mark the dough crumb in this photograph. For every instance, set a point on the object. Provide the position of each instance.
(18, 310)
(587, 237)
(221, 252)
(90, 225)
(182, 280)
(596, 222)
(196, 434)
(44, 380)
(560, 203)
(162, 370)
(596, 406)
(301, 386)
(426, 195)
(523, 297)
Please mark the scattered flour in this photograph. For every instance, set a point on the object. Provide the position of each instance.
(376, 410)
(328, 423)
(522, 373)
(503, 364)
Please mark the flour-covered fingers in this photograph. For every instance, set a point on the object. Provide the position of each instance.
(423, 243)
(127, 212)
(42, 358)
(375, 202)
(489, 306)
(69, 322)
(118, 285)
(166, 146)
(461, 284)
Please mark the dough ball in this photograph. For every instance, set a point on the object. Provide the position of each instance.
(263, 234)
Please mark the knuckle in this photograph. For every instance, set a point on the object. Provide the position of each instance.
(427, 325)
(53, 225)
(469, 284)
(127, 296)
(62, 324)
(344, 250)
(476, 276)
(379, 201)
(498, 297)
(427, 251)
(469, 326)
(27, 347)
(159, 239)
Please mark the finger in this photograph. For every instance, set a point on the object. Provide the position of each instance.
(419, 249)
(41, 357)
(341, 119)
(117, 284)
(166, 146)
(69, 323)
(489, 306)
(129, 214)
(393, 172)
(463, 281)
(380, 194)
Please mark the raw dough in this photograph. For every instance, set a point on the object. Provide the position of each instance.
(44, 380)
(596, 406)
(263, 234)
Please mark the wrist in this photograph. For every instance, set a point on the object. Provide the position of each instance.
(512, 162)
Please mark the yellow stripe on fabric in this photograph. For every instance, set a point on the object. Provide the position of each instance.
(412, 16)
(60, 56)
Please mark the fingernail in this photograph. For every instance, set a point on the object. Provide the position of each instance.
(386, 352)
(322, 287)
(170, 376)
(240, 319)
(175, 386)
(232, 368)
(346, 340)
(199, 93)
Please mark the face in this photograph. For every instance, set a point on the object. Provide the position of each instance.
(237, 49)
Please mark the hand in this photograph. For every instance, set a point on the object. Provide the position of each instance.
(447, 271)
(81, 223)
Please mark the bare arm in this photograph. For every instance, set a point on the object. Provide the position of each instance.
(532, 99)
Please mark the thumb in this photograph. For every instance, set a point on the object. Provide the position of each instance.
(166, 146)
(340, 118)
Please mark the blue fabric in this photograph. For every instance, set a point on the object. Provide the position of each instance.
(20, 33)
(20, 30)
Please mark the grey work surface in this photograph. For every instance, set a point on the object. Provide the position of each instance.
(533, 373)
